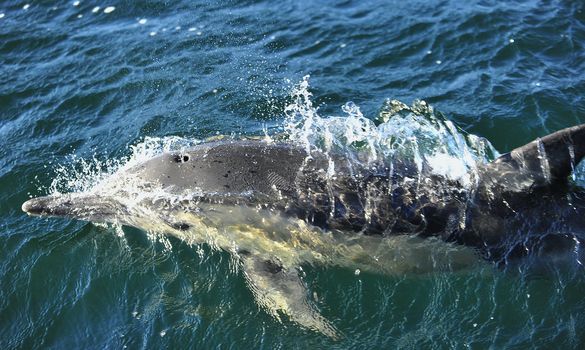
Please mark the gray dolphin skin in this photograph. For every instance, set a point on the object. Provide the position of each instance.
(276, 206)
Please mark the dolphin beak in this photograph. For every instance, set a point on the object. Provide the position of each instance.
(42, 206)
(81, 206)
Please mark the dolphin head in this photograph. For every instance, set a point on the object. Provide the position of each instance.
(238, 172)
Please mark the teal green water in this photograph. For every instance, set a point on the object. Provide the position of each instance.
(94, 85)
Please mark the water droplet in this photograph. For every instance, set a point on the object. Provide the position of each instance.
(438, 61)
(429, 52)
(343, 45)
(1, 15)
(76, 3)
(474, 325)
(178, 28)
(511, 41)
(357, 272)
(192, 29)
(152, 33)
(163, 333)
(25, 7)
(143, 21)
(79, 15)
(109, 9)
(95, 9)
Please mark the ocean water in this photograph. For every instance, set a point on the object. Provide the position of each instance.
(84, 84)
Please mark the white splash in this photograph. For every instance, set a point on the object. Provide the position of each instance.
(447, 166)
(109, 9)
(414, 133)
(95, 9)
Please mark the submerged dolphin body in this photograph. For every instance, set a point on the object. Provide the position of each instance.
(232, 195)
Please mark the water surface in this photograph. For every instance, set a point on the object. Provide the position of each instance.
(77, 81)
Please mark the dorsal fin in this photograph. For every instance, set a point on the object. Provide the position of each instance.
(544, 161)
(558, 152)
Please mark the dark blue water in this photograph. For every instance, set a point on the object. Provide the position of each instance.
(74, 81)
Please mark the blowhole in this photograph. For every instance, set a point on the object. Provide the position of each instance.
(181, 158)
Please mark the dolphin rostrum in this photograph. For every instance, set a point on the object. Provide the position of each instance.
(235, 195)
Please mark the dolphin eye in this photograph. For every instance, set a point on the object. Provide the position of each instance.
(185, 158)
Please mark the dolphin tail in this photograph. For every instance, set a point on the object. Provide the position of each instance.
(277, 289)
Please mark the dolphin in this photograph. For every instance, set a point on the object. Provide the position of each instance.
(235, 195)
